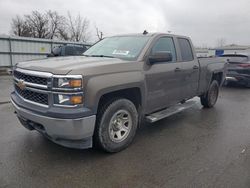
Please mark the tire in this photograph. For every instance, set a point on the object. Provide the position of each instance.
(209, 99)
(116, 125)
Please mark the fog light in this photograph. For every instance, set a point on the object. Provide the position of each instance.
(76, 99)
(68, 99)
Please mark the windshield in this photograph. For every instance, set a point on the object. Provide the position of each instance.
(124, 47)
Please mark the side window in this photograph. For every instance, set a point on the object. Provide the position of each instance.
(186, 50)
(165, 44)
(79, 50)
(69, 50)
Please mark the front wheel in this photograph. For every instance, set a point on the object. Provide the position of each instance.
(209, 99)
(116, 125)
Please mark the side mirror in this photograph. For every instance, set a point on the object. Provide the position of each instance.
(56, 51)
(161, 56)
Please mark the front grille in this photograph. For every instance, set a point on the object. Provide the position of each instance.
(30, 78)
(40, 98)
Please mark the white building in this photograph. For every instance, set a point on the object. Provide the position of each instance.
(229, 49)
(232, 49)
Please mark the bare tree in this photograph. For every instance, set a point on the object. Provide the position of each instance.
(78, 28)
(221, 42)
(55, 24)
(63, 34)
(99, 33)
(19, 27)
(52, 25)
(39, 24)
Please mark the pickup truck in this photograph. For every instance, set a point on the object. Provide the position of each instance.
(101, 97)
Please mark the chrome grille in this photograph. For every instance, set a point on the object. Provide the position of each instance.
(30, 78)
(40, 98)
(32, 86)
(37, 87)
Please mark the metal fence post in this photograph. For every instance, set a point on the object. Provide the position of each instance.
(10, 49)
(51, 45)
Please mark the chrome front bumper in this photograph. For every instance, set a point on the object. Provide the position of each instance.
(73, 133)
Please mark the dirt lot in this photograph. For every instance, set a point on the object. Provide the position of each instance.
(195, 148)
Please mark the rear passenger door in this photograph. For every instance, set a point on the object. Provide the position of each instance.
(189, 68)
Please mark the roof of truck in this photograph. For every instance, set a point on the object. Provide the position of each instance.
(148, 34)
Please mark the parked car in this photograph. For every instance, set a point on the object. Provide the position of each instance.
(102, 97)
(68, 50)
(238, 70)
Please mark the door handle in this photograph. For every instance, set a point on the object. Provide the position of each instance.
(195, 67)
(177, 69)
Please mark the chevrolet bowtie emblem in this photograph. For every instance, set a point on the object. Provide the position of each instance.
(21, 84)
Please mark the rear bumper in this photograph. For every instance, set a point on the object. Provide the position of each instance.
(231, 78)
(73, 133)
(239, 78)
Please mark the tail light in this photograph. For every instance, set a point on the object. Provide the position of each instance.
(244, 65)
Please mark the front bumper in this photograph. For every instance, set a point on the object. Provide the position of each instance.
(73, 133)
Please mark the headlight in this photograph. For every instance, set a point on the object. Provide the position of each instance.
(68, 99)
(68, 82)
(68, 90)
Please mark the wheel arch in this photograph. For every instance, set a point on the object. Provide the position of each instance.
(217, 76)
(134, 94)
(129, 85)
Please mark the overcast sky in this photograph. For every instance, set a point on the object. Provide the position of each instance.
(205, 21)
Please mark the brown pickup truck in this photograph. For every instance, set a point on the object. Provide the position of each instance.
(101, 97)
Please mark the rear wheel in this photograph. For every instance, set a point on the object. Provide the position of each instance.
(117, 122)
(209, 99)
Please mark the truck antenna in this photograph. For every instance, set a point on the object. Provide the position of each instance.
(145, 32)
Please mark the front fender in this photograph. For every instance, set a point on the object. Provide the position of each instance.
(99, 85)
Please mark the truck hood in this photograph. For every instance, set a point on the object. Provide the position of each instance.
(80, 65)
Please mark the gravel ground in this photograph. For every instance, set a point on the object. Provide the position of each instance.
(6, 88)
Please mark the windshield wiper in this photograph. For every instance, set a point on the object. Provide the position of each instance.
(101, 56)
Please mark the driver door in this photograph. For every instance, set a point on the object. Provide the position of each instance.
(163, 78)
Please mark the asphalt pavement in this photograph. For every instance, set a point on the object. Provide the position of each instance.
(195, 148)
(5, 88)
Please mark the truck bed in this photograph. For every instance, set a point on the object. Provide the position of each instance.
(208, 66)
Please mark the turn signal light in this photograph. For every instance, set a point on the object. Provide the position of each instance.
(76, 99)
(75, 83)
